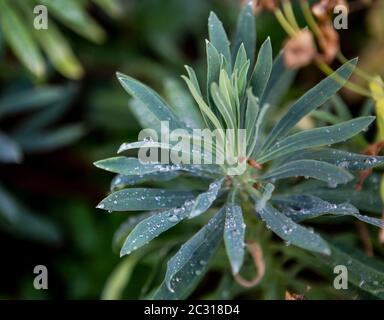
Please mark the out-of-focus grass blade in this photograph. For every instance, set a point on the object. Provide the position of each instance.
(73, 14)
(9, 150)
(20, 39)
(112, 7)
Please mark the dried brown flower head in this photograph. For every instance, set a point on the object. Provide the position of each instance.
(329, 42)
(259, 5)
(299, 50)
(323, 9)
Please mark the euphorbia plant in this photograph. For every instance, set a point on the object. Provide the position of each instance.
(237, 97)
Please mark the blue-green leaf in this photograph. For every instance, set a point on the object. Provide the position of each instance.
(348, 160)
(151, 227)
(122, 181)
(241, 58)
(303, 206)
(310, 101)
(218, 36)
(153, 103)
(213, 69)
(367, 199)
(49, 140)
(188, 265)
(253, 149)
(205, 200)
(126, 227)
(245, 33)
(364, 272)
(316, 138)
(234, 233)
(183, 105)
(292, 232)
(31, 99)
(8, 206)
(319, 170)
(18, 220)
(156, 224)
(133, 166)
(9, 150)
(251, 116)
(144, 199)
(278, 83)
(262, 70)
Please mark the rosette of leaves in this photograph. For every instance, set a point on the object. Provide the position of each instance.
(32, 134)
(27, 43)
(238, 95)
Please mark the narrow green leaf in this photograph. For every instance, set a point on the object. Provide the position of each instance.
(10, 152)
(183, 105)
(245, 33)
(54, 44)
(126, 227)
(144, 117)
(205, 110)
(278, 83)
(291, 232)
(251, 116)
(224, 109)
(74, 16)
(31, 99)
(241, 58)
(234, 234)
(47, 116)
(218, 36)
(20, 39)
(59, 52)
(204, 200)
(319, 170)
(133, 166)
(144, 199)
(262, 70)
(129, 168)
(310, 101)
(151, 227)
(8, 206)
(154, 104)
(188, 265)
(316, 138)
(119, 278)
(348, 160)
(17, 220)
(367, 199)
(253, 149)
(112, 7)
(212, 168)
(213, 69)
(50, 140)
(302, 207)
(156, 224)
(123, 181)
(364, 272)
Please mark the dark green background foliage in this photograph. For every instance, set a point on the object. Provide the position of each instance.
(52, 129)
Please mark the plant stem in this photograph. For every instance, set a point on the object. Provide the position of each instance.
(349, 85)
(287, 8)
(284, 23)
(310, 19)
